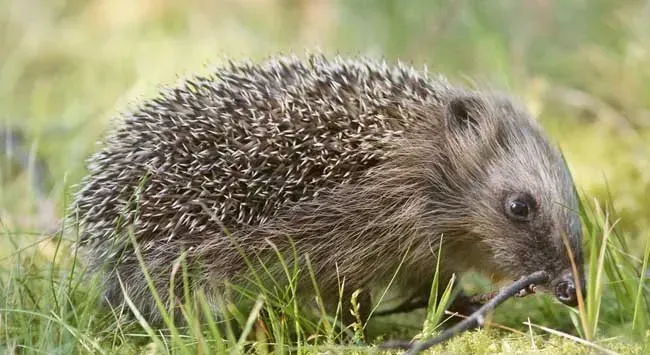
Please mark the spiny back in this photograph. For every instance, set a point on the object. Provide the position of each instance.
(243, 142)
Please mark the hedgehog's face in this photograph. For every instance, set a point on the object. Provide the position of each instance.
(521, 202)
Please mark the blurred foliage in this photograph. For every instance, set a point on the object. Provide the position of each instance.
(582, 67)
(68, 66)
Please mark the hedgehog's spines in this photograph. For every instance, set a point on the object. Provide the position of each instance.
(354, 158)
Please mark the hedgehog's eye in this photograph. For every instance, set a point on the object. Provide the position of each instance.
(519, 207)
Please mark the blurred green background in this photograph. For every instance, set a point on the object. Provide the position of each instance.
(583, 68)
(67, 67)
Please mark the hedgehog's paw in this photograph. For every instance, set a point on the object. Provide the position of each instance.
(463, 306)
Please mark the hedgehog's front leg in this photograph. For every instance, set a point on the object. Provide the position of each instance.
(461, 304)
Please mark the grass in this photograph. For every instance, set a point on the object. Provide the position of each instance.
(48, 309)
(68, 66)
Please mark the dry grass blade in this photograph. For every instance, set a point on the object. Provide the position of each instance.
(573, 338)
(477, 318)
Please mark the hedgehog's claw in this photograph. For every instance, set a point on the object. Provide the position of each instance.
(531, 289)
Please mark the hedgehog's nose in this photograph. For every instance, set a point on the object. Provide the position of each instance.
(565, 289)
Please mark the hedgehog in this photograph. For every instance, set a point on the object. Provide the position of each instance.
(357, 169)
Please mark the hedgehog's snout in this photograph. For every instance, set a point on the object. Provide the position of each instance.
(565, 289)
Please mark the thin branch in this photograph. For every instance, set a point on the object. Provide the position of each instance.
(476, 319)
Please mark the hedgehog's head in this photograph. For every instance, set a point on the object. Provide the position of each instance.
(517, 193)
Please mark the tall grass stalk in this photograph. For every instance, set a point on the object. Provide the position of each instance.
(438, 302)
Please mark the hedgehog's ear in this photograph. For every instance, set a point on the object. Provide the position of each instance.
(461, 114)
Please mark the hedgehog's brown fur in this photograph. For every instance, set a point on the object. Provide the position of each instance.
(361, 164)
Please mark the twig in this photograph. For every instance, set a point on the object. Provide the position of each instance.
(476, 319)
